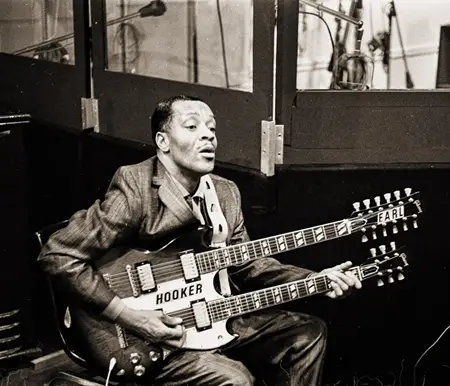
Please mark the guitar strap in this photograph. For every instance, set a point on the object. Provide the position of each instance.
(206, 208)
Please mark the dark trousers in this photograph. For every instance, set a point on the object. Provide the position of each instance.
(274, 348)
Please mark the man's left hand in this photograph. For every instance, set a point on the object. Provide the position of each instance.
(342, 280)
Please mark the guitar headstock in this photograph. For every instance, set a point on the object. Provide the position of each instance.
(390, 264)
(393, 210)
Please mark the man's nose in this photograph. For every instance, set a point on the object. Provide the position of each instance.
(207, 133)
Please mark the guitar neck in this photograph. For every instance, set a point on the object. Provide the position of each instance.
(225, 308)
(237, 254)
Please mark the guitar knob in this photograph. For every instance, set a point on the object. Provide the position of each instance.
(154, 356)
(139, 370)
(135, 358)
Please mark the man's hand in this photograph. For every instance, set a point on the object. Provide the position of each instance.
(342, 280)
(154, 326)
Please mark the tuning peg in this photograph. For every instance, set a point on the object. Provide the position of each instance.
(393, 246)
(415, 226)
(405, 225)
(377, 200)
(390, 279)
(382, 248)
(364, 239)
(366, 203)
(373, 252)
(400, 276)
(374, 235)
(387, 197)
(408, 191)
(380, 283)
(397, 194)
(384, 230)
(357, 206)
(394, 229)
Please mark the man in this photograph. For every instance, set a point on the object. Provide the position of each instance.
(153, 198)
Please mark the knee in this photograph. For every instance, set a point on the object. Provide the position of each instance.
(318, 330)
(238, 376)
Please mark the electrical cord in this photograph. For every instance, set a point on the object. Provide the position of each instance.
(326, 24)
(421, 357)
(112, 363)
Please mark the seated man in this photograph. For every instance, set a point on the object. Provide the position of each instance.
(154, 197)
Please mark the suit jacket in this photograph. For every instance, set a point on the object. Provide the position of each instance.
(143, 198)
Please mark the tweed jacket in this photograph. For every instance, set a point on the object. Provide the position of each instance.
(143, 198)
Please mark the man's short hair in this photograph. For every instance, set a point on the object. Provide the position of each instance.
(163, 112)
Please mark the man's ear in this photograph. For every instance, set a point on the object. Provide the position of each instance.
(162, 141)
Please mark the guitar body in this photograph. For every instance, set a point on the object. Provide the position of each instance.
(102, 340)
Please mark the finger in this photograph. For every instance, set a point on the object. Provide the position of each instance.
(358, 284)
(336, 289)
(337, 281)
(349, 281)
(344, 266)
(170, 320)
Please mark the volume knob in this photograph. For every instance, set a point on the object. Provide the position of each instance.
(139, 370)
(135, 358)
(154, 356)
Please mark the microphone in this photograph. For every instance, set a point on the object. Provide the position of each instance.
(354, 71)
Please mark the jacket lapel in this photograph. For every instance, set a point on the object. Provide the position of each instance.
(171, 196)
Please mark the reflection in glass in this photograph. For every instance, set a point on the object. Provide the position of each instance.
(34, 29)
(414, 30)
(209, 42)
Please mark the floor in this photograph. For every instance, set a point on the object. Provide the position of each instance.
(40, 372)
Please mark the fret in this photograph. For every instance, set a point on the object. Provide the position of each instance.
(302, 289)
(281, 243)
(244, 252)
(319, 234)
(330, 231)
(309, 236)
(255, 253)
(299, 238)
(341, 228)
(290, 241)
(266, 302)
(273, 245)
(265, 247)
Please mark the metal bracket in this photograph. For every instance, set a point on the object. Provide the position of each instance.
(272, 142)
(279, 144)
(89, 114)
(268, 148)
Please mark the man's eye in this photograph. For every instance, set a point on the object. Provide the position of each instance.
(192, 127)
(212, 128)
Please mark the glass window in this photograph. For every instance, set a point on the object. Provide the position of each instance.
(34, 28)
(410, 28)
(209, 42)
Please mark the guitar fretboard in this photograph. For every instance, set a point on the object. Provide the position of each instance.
(237, 254)
(241, 304)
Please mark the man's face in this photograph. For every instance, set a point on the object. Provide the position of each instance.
(191, 137)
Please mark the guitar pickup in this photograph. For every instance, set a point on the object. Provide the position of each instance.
(201, 316)
(189, 265)
(145, 277)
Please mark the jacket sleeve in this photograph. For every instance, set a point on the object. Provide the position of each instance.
(69, 253)
(263, 272)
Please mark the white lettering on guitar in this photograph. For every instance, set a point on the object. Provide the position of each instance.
(179, 293)
(391, 214)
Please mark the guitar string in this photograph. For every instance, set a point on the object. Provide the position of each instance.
(308, 239)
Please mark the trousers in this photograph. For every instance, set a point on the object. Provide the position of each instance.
(274, 348)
